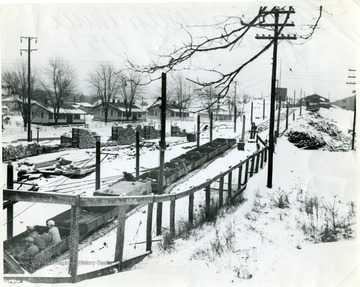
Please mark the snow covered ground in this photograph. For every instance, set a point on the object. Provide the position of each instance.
(254, 243)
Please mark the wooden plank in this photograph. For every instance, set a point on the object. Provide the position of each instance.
(252, 165)
(239, 177)
(257, 163)
(172, 218)
(246, 170)
(149, 226)
(31, 279)
(221, 191)
(30, 196)
(265, 158)
(14, 265)
(10, 221)
(229, 184)
(191, 209)
(74, 241)
(120, 235)
(262, 158)
(207, 202)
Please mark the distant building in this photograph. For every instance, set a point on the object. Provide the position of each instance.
(12, 103)
(172, 112)
(86, 107)
(346, 104)
(220, 113)
(43, 115)
(315, 102)
(117, 112)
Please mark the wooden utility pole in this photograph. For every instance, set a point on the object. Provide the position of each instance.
(354, 119)
(251, 113)
(198, 131)
(162, 153)
(137, 154)
(28, 51)
(263, 109)
(275, 12)
(10, 208)
(235, 108)
(97, 163)
(211, 126)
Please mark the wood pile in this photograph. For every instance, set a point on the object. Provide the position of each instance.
(127, 136)
(82, 138)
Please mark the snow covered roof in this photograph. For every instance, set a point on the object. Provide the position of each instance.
(67, 109)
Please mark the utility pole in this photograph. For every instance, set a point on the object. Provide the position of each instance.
(28, 51)
(354, 119)
(277, 36)
(235, 108)
(162, 152)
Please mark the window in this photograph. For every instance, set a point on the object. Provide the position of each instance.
(42, 114)
(76, 117)
(61, 116)
(119, 114)
(51, 116)
(111, 112)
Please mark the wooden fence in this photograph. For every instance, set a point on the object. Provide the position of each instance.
(245, 169)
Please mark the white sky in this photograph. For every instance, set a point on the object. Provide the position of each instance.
(85, 34)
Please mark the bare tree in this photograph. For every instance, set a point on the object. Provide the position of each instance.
(58, 83)
(106, 84)
(15, 83)
(230, 34)
(207, 96)
(182, 93)
(131, 90)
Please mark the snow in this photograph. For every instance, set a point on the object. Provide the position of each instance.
(268, 246)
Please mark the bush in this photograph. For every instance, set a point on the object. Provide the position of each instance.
(280, 199)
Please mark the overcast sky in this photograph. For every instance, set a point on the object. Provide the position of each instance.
(86, 34)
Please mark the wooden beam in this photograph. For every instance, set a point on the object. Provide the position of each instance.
(30, 196)
(221, 191)
(252, 165)
(14, 265)
(149, 226)
(207, 202)
(120, 235)
(74, 240)
(257, 163)
(229, 184)
(239, 177)
(172, 218)
(191, 209)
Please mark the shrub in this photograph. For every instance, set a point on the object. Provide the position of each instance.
(280, 199)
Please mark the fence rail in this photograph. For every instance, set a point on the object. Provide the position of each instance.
(226, 193)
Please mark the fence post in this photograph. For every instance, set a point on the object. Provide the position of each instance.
(262, 158)
(10, 208)
(198, 131)
(229, 185)
(221, 191)
(137, 154)
(191, 209)
(74, 239)
(172, 218)
(149, 226)
(252, 165)
(293, 116)
(97, 164)
(257, 162)
(265, 154)
(239, 177)
(211, 126)
(120, 235)
(207, 202)
(246, 170)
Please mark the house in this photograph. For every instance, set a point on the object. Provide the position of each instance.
(220, 113)
(315, 102)
(12, 103)
(117, 112)
(84, 106)
(44, 115)
(346, 104)
(172, 112)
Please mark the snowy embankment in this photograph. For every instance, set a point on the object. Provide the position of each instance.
(259, 244)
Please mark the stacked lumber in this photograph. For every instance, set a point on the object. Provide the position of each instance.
(127, 136)
(83, 138)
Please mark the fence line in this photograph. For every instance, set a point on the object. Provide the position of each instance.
(252, 164)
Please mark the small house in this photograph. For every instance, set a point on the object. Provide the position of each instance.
(117, 112)
(172, 112)
(44, 115)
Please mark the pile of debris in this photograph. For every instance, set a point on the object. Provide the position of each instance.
(319, 133)
(305, 140)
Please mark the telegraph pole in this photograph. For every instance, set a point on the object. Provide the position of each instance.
(162, 152)
(28, 51)
(277, 36)
(354, 119)
(235, 108)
